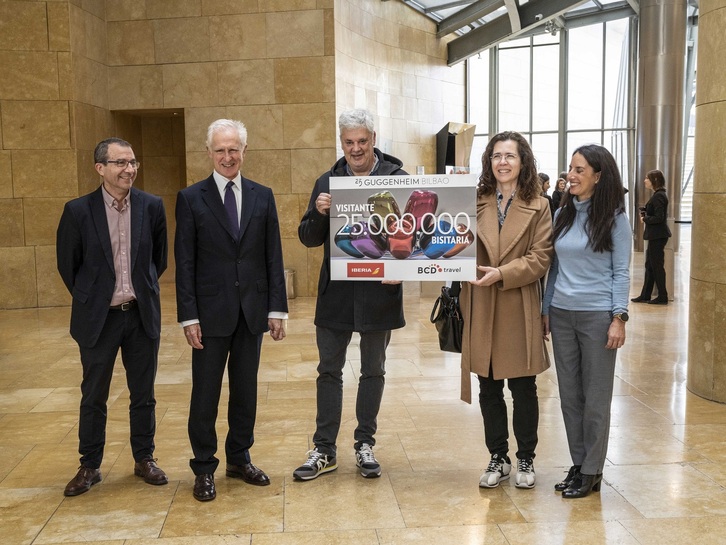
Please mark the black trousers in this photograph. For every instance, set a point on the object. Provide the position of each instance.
(655, 269)
(332, 347)
(139, 354)
(525, 417)
(240, 353)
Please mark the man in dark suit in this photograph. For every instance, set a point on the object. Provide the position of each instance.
(230, 289)
(111, 249)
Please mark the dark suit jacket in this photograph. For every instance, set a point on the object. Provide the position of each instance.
(85, 261)
(215, 274)
(656, 215)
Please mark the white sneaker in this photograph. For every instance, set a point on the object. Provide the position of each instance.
(366, 462)
(525, 477)
(496, 472)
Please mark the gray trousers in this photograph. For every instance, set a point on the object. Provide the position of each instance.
(585, 373)
(332, 347)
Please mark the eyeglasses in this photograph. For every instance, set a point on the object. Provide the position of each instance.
(123, 163)
(498, 157)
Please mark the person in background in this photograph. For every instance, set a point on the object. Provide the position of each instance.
(371, 309)
(111, 248)
(560, 190)
(586, 308)
(502, 337)
(545, 180)
(230, 290)
(654, 215)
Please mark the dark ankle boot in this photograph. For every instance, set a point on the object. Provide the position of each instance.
(571, 475)
(582, 486)
(640, 299)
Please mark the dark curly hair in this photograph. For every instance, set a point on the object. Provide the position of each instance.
(607, 201)
(528, 184)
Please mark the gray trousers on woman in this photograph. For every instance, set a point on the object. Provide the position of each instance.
(585, 373)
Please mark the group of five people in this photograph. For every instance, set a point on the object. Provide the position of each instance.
(230, 287)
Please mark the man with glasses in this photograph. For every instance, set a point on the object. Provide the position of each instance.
(111, 248)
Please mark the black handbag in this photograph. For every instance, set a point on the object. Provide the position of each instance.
(446, 316)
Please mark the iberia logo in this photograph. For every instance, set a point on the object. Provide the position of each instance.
(365, 270)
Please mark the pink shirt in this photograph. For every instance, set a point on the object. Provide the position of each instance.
(118, 215)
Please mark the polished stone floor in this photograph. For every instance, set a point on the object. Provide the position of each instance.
(665, 481)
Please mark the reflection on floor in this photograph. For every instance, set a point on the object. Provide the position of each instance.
(664, 480)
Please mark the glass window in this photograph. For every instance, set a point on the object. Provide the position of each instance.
(577, 139)
(545, 149)
(480, 144)
(584, 81)
(529, 88)
(517, 42)
(617, 143)
(546, 38)
(479, 91)
(514, 74)
(616, 74)
(546, 88)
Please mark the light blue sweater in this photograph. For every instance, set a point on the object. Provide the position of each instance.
(581, 279)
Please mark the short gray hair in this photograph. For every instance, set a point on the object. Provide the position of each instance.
(224, 125)
(356, 119)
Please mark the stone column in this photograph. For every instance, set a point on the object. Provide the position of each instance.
(707, 309)
(661, 84)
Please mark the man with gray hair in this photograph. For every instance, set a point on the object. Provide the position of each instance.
(370, 308)
(230, 290)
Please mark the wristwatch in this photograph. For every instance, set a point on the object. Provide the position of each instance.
(622, 316)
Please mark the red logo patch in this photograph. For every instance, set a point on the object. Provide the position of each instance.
(366, 270)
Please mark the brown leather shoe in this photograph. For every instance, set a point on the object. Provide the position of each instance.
(151, 473)
(83, 481)
(249, 473)
(204, 487)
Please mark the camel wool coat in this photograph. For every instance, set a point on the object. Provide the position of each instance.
(502, 322)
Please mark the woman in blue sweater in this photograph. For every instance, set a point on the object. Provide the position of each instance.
(585, 307)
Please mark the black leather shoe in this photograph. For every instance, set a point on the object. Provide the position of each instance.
(249, 473)
(204, 487)
(150, 472)
(571, 475)
(582, 486)
(658, 301)
(640, 299)
(83, 481)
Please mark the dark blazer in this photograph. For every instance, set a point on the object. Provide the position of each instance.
(656, 215)
(347, 304)
(85, 261)
(215, 274)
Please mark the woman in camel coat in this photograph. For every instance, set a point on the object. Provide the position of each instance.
(502, 308)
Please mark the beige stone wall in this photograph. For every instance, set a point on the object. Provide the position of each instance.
(389, 61)
(707, 308)
(53, 108)
(77, 71)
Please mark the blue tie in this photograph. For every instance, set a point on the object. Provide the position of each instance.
(230, 205)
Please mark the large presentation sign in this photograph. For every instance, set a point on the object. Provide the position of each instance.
(403, 227)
